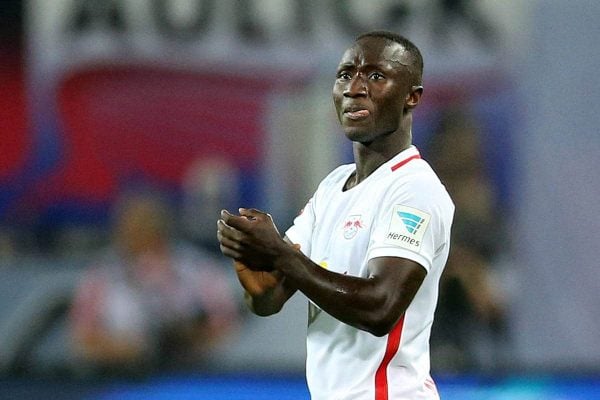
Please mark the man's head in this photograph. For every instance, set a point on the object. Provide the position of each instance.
(415, 58)
(378, 83)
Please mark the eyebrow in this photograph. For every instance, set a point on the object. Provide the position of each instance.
(385, 64)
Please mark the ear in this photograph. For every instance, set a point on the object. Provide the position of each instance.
(414, 97)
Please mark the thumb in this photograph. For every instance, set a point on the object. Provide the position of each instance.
(252, 213)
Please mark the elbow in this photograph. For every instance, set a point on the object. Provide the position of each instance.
(380, 332)
(386, 314)
(381, 329)
(383, 324)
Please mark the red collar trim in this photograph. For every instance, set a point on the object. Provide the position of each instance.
(405, 161)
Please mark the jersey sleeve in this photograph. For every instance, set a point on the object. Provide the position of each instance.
(302, 229)
(413, 223)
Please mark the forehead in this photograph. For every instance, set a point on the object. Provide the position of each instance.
(375, 50)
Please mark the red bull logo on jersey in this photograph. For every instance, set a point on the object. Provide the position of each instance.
(352, 225)
(407, 227)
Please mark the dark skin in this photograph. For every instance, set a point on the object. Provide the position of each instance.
(374, 94)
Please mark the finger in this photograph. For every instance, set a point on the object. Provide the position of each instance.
(253, 213)
(228, 236)
(241, 223)
(225, 215)
(227, 241)
(229, 252)
(227, 231)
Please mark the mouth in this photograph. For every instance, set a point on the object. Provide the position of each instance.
(356, 112)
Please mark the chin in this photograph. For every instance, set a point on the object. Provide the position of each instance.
(359, 135)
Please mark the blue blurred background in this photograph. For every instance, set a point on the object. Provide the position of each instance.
(126, 125)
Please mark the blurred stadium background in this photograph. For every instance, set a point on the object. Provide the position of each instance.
(225, 103)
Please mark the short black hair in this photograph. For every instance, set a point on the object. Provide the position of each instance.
(416, 67)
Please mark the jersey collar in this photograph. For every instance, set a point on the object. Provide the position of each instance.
(404, 157)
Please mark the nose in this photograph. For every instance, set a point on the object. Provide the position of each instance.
(356, 87)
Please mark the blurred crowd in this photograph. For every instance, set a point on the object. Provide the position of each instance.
(471, 314)
(153, 293)
(150, 302)
(149, 292)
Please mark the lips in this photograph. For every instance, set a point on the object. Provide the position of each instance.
(356, 112)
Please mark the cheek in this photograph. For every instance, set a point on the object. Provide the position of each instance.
(390, 111)
(337, 102)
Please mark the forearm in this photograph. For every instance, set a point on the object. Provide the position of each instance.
(265, 302)
(360, 302)
(373, 303)
(263, 305)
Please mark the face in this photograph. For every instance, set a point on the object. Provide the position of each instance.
(373, 89)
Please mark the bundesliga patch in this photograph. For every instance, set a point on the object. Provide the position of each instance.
(407, 227)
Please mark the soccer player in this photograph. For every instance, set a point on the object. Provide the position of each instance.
(370, 245)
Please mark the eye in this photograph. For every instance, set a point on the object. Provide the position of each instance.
(376, 76)
(343, 75)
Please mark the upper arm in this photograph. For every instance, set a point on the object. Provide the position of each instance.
(395, 281)
(413, 221)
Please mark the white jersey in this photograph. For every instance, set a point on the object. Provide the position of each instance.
(400, 210)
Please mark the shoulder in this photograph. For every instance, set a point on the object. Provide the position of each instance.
(417, 183)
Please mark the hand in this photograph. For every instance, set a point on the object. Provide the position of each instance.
(250, 238)
(257, 283)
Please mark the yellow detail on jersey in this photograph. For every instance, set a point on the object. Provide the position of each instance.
(324, 264)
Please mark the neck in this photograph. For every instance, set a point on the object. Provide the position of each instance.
(370, 156)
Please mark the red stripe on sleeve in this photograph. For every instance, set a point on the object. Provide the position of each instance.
(393, 344)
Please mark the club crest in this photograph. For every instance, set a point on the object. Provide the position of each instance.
(352, 225)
